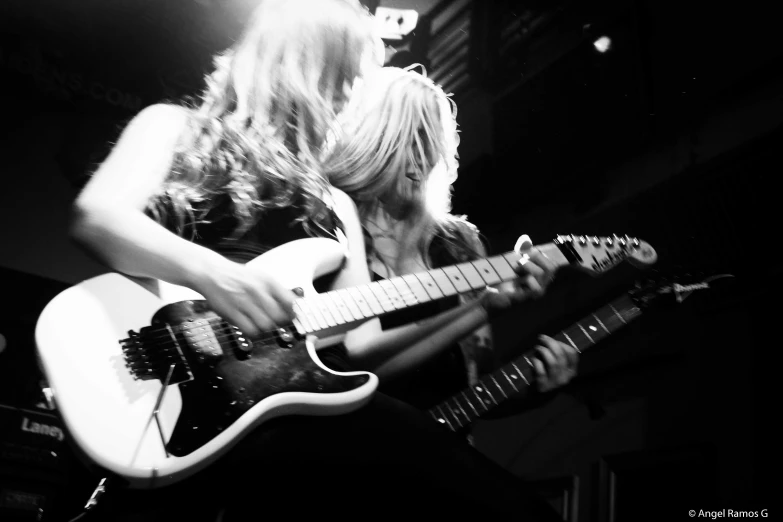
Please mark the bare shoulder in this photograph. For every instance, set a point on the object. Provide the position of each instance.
(342, 203)
(159, 119)
(139, 161)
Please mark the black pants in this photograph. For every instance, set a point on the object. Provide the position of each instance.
(385, 460)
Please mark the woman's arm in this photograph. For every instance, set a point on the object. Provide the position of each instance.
(419, 342)
(110, 222)
(109, 217)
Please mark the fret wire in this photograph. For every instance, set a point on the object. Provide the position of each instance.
(395, 299)
(585, 333)
(382, 296)
(520, 373)
(352, 306)
(334, 308)
(601, 324)
(417, 288)
(301, 316)
(405, 291)
(509, 380)
(609, 319)
(596, 334)
(470, 403)
(481, 401)
(486, 389)
(429, 284)
(571, 341)
(298, 326)
(324, 309)
(370, 299)
(512, 258)
(445, 418)
(313, 313)
(503, 268)
(486, 271)
(341, 306)
(360, 301)
(450, 409)
(498, 385)
(611, 322)
(508, 371)
(471, 275)
(443, 282)
(617, 314)
(460, 409)
(456, 278)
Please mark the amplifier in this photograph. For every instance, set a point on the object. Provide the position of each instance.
(30, 438)
(32, 462)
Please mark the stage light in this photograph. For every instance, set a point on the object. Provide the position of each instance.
(603, 44)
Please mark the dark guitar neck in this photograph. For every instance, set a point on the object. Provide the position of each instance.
(514, 378)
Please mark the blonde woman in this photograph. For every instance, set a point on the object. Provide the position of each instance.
(398, 162)
(189, 194)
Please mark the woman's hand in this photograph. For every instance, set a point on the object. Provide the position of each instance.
(246, 297)
(536, 272)
(557, 364)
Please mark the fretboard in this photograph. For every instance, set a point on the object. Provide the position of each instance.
(514, 379)
(337, 309)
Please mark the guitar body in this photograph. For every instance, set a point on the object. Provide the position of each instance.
(218, 392)
(153, 386)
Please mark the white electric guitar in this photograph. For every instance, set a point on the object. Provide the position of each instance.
(153, 386)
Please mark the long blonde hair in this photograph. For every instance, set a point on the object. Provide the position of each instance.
(255, 139)
(400, 118)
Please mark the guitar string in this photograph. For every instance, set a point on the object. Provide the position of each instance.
(270, 335)
(267, 335)
(386, 301)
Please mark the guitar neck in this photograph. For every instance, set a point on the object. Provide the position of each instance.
(338, 310)
(514, 379)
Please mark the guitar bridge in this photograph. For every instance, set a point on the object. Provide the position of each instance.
(151, 353)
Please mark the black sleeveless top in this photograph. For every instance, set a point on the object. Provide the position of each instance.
(272, 228)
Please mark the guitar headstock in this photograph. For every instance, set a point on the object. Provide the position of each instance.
(598, 254)
(671, 288)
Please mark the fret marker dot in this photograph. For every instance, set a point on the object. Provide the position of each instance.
(513, 376)
(442, 421)
(478, 388)
(593, 328)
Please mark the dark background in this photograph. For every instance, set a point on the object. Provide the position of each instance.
(673, 136)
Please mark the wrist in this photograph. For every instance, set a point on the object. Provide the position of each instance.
(200, 266)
